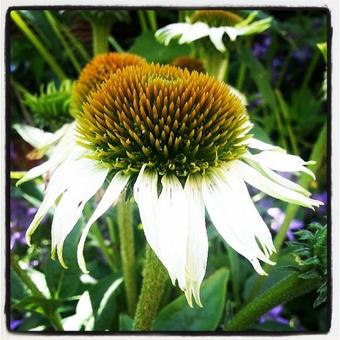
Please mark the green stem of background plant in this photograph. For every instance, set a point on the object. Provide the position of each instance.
(283, 291)
(114, 44)
(216, 64)
(154, 280)
(100, 35)
(53, 23)
(75, 42)
(127, 252)
(152, 19)
(142, 21)
(317, 155)
(24, 277)
(95, 231)
(47, 56)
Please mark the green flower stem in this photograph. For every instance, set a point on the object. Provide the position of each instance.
(54, 317)
(309, 72)
(142, 21)
(115, 44)
(317, 155)
(75, 42)
(216, 64)
(53, 23)
(127, 252)
(241, 76)
(154, 279)
(100, 35)
(103, 247)
(286, 115)
(38, 45)
(152, 19)
(283, 291)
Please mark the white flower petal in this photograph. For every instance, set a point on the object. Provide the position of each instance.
(232, 32)
(230, 217)
(255, 220)
(259, 145)
(67, 148)
(197, 244)
(274, 176)
(109, 198)
(283, 162)
(216, 37)
(271, 188)
(145, 194)
(172, 224)
(61, 180)
(71, 205)
(167, 33)
(255, 27)
(36, 137)
(193, 32)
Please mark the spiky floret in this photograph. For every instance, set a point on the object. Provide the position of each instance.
(173, 120)
(98, 70)
(216, 18)
(190, 63)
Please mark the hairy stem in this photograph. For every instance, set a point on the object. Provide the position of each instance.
(154, 279)
(283, 291)
(127, 252)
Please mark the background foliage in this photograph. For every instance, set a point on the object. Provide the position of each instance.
(281, 72)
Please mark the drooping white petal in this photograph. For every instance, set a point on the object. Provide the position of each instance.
(71, 205)
(257, 180)
(216, 37)
(259, 145)
(67, 148)
(109, 198)
(167, 33)
(197, 244)
(145, 194)
(231, 217)
(274, 176)
(193, 32)
(253, 217)
(232, 32)
(36, 137)
(172, 224)
(253, 28)
(283, 162)
(61, 180)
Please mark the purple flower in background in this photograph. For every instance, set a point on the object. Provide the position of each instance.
(278, 217)
(255, 102)
(21, 217)
(260, 49)
(14, 324)
(276, 66)
(274, 315)
(302, 54)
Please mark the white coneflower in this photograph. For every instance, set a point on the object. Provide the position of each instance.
(181, 141)
(213, 24)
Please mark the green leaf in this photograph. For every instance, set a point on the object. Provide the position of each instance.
(37, 304)
(260, 76)
(146, 46)
(18, 289)
(125, 322)
(178, 316)
(107, 306)
(261, 134)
